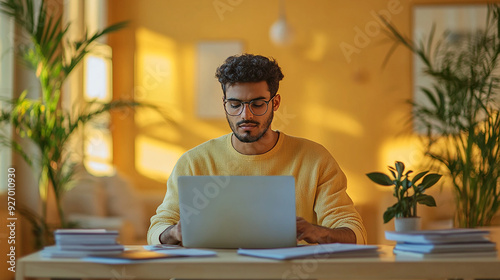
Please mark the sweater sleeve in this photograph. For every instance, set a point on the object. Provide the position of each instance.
(334, 208)
(167, 213)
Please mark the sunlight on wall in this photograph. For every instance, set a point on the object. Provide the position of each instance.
(156, 68)
(336, 121)
(156, 159)
(355, 187)
(319, 46)
(405, 149)
(157, 83)
(206, 131)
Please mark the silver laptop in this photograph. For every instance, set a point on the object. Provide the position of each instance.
(237, 211)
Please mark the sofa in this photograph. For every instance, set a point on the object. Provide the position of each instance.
(110, 202)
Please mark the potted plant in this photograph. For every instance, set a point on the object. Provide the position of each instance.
(42, 120)
(461, 115)
(408, 192)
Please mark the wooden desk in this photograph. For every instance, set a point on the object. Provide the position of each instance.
(229, 265)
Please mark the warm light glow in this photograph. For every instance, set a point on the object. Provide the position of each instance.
(156, 66)
(99, 169)
(206, 131)
(156, 79)
(405, 149)
(156, 159)
(97, 78)
(318, 46)
(157, 83)
(98, 148)
(356, 187)
(333, 120)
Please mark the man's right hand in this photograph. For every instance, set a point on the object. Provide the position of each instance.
(172, 235)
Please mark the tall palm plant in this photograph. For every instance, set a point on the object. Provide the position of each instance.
(461, 115)
(42, 120)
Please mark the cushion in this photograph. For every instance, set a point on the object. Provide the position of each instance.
(123, 201)
(86, 197)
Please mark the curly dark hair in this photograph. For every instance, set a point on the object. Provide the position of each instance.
(249, 68)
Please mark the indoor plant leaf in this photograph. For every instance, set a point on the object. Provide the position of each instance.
(426, 200)
(380, 178)
(456, 112)
(389, 214)
(418, 176)
(406, 205)
(430, 180)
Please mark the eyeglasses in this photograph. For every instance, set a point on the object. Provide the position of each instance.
(235, 107)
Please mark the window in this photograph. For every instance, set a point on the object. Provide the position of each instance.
(6, 87)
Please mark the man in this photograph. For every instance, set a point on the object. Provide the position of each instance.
(325, 213)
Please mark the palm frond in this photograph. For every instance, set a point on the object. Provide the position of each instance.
(81, 47)
(42, 120)
(461, 108)
(16, 147)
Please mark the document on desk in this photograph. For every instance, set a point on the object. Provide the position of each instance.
(456, 235)
(405, 255)
(135, 256)
(179, 250)
(446, 247)
(334, 250)
(186, 252)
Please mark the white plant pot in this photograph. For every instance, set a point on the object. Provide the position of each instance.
(407, 224)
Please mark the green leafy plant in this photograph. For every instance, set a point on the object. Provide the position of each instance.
(409, 192)
(461, 114)
(42, 120)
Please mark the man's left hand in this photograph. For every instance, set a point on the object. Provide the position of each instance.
(318, 234)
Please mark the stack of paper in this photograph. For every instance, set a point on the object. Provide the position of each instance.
(77, 243)
(443, 243)
(314, 251)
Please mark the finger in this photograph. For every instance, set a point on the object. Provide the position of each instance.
(178, 232)
(300, 237)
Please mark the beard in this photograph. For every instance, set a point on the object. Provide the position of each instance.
(246, 137)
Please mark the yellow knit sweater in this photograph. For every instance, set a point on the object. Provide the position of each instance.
(320, 184)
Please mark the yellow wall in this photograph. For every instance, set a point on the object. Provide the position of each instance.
(348, 103)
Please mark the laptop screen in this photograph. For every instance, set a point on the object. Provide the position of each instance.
(237, 211)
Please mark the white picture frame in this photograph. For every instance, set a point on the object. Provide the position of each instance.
(210, 55)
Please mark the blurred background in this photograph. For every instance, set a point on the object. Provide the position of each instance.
(336, 91)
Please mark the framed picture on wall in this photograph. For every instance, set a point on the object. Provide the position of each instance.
(210, 55)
